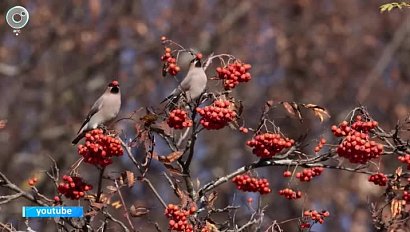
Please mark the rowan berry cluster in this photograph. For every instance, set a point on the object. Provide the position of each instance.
(217, 115)
(269, 144)
(287, 173)
(99, 148)
(378, 179)
(73, 187)
(178, 218)
(405, 159)
(290, 194)
(357, 146)
(316, 216)
(170, 62)
(308, 173)
(32, 181)
(320, 145)
(178, 119)
(406, 197)
(233, 74)
(247, 183)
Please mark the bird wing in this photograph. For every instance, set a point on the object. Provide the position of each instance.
(94, 109)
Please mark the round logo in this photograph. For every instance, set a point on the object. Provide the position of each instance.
(17, 17)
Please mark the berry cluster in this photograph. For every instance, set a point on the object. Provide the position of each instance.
(217, 115)
(247, 183)
(406, 197)
(308, 173)
(170, 64)
(405, 159)
(32, 181)
(178, 119)
(73, 187)
(316, 216)
(290, 193)
(320, 145)
(287, 173)
(99, 148)
(233, 74)
(378, 179)
(179, 218)
(268, 144)
(243, 130)
(357, 146)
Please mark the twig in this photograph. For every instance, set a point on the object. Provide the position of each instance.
(127, 215)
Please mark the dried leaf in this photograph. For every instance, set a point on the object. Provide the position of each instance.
(212, 198)
(111, 189)
(183, 195)
(395, 207)
(173, 170)
(171, 157)
(318, 111)
(130, 178)
(138, 211)
(211, 227)
(293, 109)
(398, 172)
(149, 119)
(116, 204)
(92, 213)
(97, 205)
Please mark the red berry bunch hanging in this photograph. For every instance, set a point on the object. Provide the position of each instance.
(406, 197)
(316, 216)
(290, 194)
(308, 173)
(217, 115)
(99, 148)
(179, 218)
(357, 146)
(178, 119)
(170, 64)
(405, 159)
(320, 145)
(233, 74)
(247, 183)
(269, 144)
(378, 179)
(73, 187)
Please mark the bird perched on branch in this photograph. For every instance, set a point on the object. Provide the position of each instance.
(192, 86)
(104, 110)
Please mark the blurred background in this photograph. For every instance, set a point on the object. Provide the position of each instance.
(336, 54)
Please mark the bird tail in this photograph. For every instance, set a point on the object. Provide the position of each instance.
(78, 138)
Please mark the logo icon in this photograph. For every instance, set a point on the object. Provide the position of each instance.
(17, 17)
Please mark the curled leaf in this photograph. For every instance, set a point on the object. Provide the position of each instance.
(318, 111)
(138, 211)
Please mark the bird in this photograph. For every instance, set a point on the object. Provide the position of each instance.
(192, 86)
(104, 110)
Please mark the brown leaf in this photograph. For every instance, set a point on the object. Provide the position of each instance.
(293, 109)
(116, 204)
(212, 198)
(138, 211)
(149, 119)
(395, 207)
(211, 227)
(318, 111)
(111, 189)
(171, 157)
(173, 170)
(130, 178)
(183, 196)
(97, 205)
(92, 213)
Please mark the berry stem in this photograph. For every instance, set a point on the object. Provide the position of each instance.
(99, 189)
